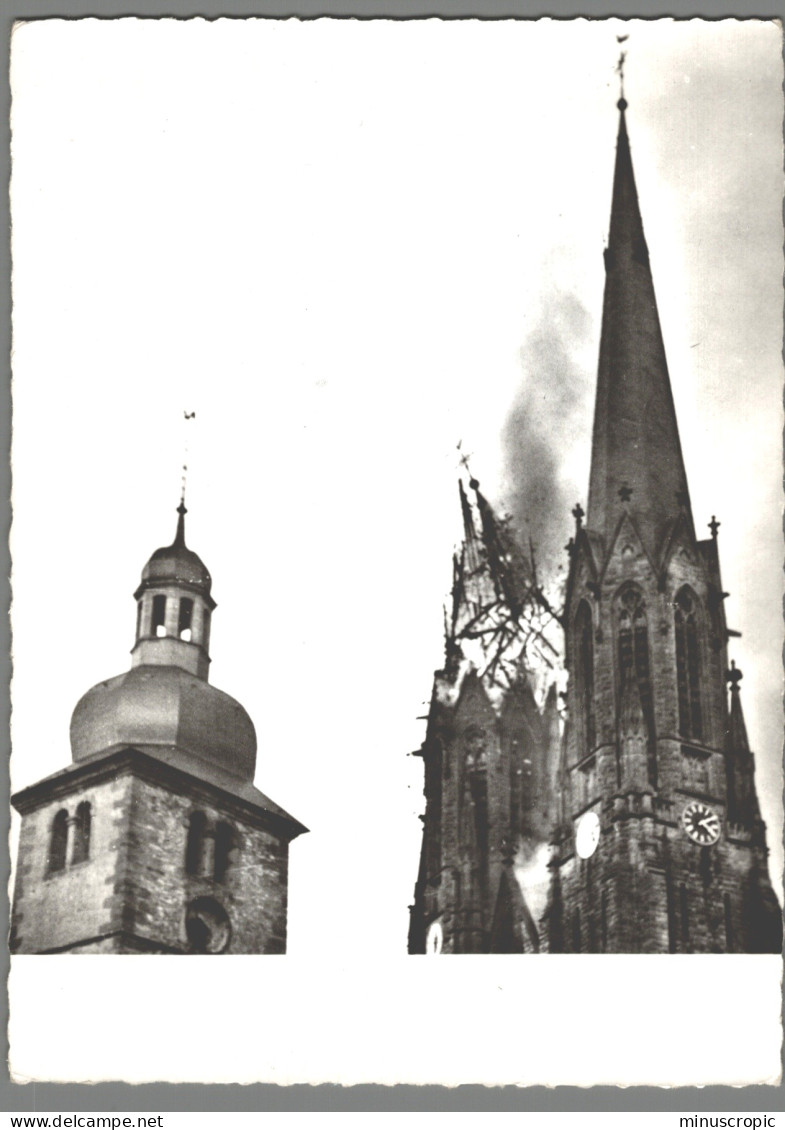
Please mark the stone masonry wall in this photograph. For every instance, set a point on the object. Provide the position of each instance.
(156, 889)
(57, 910)
(131, 894)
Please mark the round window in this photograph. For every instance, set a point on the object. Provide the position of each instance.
(207, 926)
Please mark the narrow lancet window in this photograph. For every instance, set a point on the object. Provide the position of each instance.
(633, 656)
(184, 618)
(81, 848)
(159, 615)
(225, 846)
(58, 842)
(584, 675)
(194, 850)
(688, 665)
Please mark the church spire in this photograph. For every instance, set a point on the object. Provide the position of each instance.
(737, 730)
(637, 465)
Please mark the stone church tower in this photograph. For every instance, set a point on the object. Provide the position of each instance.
(660, 847)
(155, 839)
(490, 755)
(646, 805)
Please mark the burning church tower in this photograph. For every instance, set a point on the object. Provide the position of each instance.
(633, 826)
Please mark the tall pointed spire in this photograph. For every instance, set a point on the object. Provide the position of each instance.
(637, 464)
(470, 539)
(737, 730)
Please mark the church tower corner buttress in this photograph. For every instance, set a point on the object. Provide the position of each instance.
(660, 845)
(155, 839)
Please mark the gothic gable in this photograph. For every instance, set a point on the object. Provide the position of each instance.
(627, 555)
(680, 551)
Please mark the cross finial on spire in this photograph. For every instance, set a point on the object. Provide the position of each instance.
(714, 525)
(577, 513)
(464, 461)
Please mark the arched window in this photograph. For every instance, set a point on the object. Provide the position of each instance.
(81, 848)
(158, 626)
(194, 849)
(633, 659)
(58, 842)
(225, 850)
(584, 676)
(185, 616)
(688, 665)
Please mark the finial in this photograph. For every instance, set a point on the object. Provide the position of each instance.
(622, 103)
(179, 538)
(734, 676)
(714, 525)
(464, 461)
(186, 416)
(577, 513)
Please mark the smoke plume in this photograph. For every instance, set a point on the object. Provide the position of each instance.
(549, 420)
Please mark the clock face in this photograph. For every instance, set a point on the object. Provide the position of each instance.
(701, 823)
(587, 834)
(434, 939)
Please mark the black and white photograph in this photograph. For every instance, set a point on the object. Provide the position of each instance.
(396, 550)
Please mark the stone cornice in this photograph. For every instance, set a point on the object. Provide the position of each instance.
(129, 761)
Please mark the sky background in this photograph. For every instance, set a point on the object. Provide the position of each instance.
(348, 246)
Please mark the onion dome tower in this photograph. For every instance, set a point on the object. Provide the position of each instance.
(660, 846)
(156, 840)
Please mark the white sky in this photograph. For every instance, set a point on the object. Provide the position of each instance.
(333, 240)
